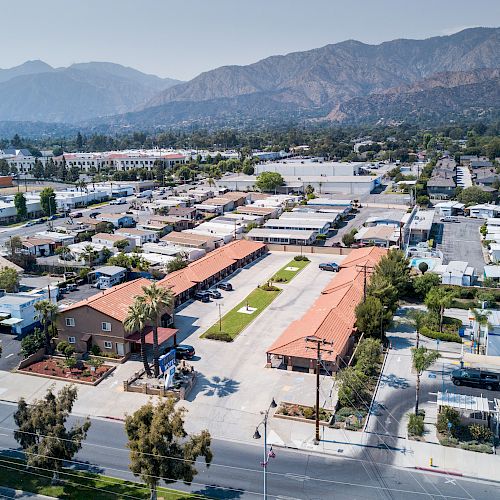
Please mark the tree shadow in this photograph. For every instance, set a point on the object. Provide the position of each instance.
(215, 386)
(399, 343)
(394, 381)
(214, 491)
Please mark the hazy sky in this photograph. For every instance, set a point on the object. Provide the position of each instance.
(181, 38)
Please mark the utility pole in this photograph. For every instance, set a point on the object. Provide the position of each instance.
(366, 268)
(319, 342)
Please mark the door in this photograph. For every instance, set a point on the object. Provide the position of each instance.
(120, 349)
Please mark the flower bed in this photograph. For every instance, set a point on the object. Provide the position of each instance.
(302, 412)
(55, 368)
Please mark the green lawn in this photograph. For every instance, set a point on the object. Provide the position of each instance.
(234, 322)
(78, 485)
(284, 276)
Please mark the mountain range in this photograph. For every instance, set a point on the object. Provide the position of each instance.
(35, 91)
(436, 79)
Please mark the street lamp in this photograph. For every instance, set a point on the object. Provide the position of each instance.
(257, 435)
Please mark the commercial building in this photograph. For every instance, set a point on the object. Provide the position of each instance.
(17, 310)
(282, 236)
(311, 167)
(299, 224)
(331, 318)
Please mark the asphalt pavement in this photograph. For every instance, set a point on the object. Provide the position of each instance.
(236, 471)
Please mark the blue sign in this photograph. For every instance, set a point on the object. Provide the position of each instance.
(167, 360)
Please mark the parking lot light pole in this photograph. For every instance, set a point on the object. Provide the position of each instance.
(270, 454)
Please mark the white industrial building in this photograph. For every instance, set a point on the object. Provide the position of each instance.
(310, 167)
(319, 226)
(282, 236)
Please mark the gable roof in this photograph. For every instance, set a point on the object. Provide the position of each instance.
(115, 301)
(332, 316)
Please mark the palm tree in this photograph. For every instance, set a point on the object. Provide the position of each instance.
(90, 253)
(421, 359)
(417, 317)
(156, 300)
(136, 321)
(481, 319)
(47, 313)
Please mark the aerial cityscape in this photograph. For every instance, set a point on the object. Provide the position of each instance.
(250, 250)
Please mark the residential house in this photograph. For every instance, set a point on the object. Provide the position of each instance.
(449, 208)
(382, 236)
(484, 211)
(79, 251)
(110, 241)
(105, 277)
(139, 236)
(264, 212)
(39, 247)
(206, 242)
(456, 272)
(118, 220)
(188, 213)
(421, 225)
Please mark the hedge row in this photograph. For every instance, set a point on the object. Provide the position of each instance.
(446, 337)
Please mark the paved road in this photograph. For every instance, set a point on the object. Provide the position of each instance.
(236, 473)
(460, 241)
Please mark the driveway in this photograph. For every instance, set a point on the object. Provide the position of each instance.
(233, 384)
(460, 241)
(11, 345)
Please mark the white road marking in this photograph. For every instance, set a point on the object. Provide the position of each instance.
(9, 355)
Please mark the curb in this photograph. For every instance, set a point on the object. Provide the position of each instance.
(441, 471)
(368, 415)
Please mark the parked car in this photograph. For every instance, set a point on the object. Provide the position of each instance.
(71, 287)
(30, 223)
(118, 201)
(184, 351)
(76, 215)
(225, 286)
(203, 296)
(214, 293)
(476, 377)
(330, 266)
(448, 218)
(93, 215)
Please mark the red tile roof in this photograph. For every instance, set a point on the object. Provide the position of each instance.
(115, 301)
(332, 316)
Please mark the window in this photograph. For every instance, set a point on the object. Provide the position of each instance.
(108, 344)
(71, 340)
(106, 327)
(70, 321)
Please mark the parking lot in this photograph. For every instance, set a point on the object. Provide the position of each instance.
(233, 383)
(460, 241)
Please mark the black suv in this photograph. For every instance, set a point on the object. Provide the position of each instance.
(225, 286)
(475, 377)
(203, 296)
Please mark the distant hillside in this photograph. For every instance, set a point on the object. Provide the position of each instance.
(35, 91)
(442, 97)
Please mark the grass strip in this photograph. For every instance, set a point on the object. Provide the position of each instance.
(285, 276)
(78, 485)
(234, 322)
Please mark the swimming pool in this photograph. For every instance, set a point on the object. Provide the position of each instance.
(431, 263)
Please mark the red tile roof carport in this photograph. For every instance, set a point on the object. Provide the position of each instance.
(332, 316)
(164, 334)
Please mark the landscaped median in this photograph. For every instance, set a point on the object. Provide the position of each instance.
(238, 318)
(77, 485)
(290, 270)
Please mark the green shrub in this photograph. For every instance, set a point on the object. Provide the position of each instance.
(446, 337)
(415, 425)
(70, 362)
(269, 288)
(478, 447)
(309, 412)
(95, 350)
(480, 432)
(298, 258)
(224, 337)
(446, 415)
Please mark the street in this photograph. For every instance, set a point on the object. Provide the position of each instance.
(235, 471)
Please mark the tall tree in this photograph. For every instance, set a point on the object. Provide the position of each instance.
(422, 359)
(47, 313)
(136, 322)
(156, 300)
(482, 319)
(21, 207)
(48, 201)
(161, 448)
(42, 431)
(9, 280)
(79, 141)
(37, 169)
(417, 317)
(269, 181)
(437, 300)
(371, 316)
